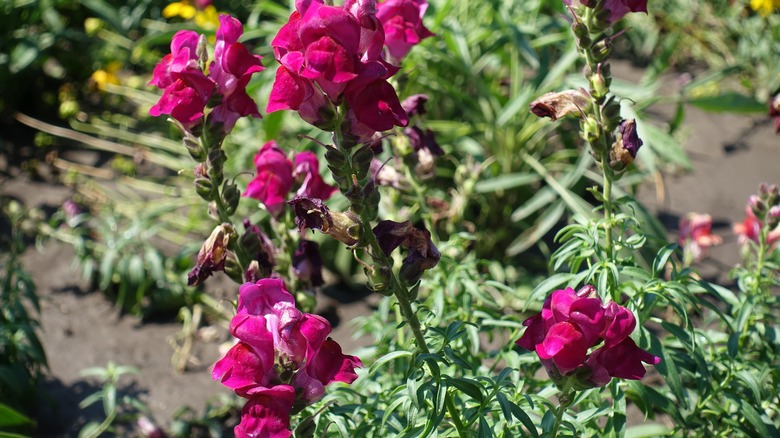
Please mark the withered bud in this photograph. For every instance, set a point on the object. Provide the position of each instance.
(422, 253)
(626, 145)
(211, 257)
(560, 104)
(312, 213)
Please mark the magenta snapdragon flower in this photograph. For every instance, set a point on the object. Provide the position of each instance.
(571, 324)
(403, 25)
(283, 359)
(276, 175)
(331, 54)
(188, 89)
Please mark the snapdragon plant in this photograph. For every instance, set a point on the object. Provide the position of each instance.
(450, 355)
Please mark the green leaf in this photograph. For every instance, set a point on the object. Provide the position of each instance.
(22, 55)
(468, 387)
(505, 182)
(387, 358)
(750, 413)
(647, 431)
(660, 260)
(545, 223)
(12, 417)
(731, 102)
(668, 369)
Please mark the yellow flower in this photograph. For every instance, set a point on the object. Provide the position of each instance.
(179, 9)
(207, 18)
(107, 76)
(764, 7)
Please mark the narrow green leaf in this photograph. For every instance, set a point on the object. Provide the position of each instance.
(651, 430)
(731, 102)
(505, 182)
(468, 387)
(387, 358)
(12, 417)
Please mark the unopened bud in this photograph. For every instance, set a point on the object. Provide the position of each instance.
(202, 52)
(214, 163)
(233, 268)
(204, 188)
(601, 50)
(379, 279)
(590, 130)
(230, 197)
(193, 147)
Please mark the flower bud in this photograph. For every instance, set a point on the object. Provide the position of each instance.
(214, 163)
(193, 147)
(233, 268)
(601, 50)
(230, 197)
(379, 279)
(590, 130)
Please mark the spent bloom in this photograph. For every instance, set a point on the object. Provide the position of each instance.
(187, 89)
(282, 361)
(570, 325)
(403, 25)
(695, 235)
(329, 55)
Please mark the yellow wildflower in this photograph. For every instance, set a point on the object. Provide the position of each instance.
(764, 7)
(207, 18)
(107, 76)
(181, 9)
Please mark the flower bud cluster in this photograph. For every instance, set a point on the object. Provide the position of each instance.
(761, 213)
(582, 341)
(695, 235)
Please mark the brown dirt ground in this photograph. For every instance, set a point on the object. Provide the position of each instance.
(731, 154)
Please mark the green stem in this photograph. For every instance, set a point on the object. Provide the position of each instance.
(565, 399)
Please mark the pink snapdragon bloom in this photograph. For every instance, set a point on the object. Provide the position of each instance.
(276, 175)
(187, 88)
(750, 229)
(274, 178)
(403, 25)
(695, 234)
(570, 324)
(307, 172)
(329, 54)
(774, 111)
(283, 359)
(231, 69)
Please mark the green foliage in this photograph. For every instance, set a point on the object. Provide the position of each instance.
(22, 358)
